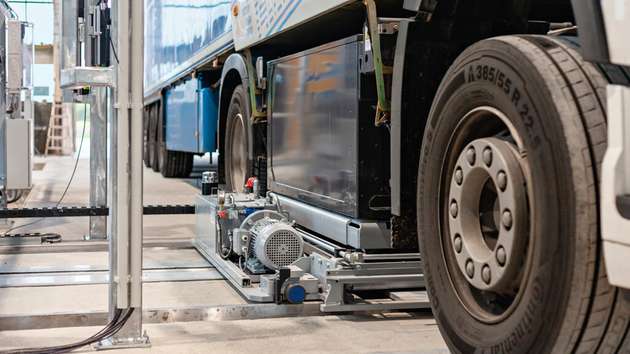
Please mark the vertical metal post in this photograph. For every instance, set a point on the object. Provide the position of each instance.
(98, 160)
(3, 148)
(98, 132)
(126, 173)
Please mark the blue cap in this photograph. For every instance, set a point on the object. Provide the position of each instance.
(296, 294)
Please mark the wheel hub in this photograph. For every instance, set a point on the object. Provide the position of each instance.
(487, 209)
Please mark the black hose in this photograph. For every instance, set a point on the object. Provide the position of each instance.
(109, 330)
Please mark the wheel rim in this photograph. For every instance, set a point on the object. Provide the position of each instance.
(238, 154)
(486, 214)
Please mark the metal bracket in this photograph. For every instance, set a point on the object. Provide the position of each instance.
(257, 115)
(383, 109)
(82, 77)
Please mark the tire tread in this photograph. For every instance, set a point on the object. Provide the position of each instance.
(606, 304)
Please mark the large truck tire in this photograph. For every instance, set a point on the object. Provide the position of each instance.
(151, 133)
(156, 132)
(146, 129)
(238, 164)
(508, 202)
(172, 164)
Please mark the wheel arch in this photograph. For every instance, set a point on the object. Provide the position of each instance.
(234, 73)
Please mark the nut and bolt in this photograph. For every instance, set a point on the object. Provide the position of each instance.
(507, 219)
(471, 155)
(485, 274)
(487, 156)
(457, 242)
(454, 209)
(470, 268)
(459, 176)
(501, 256)
(502, 180)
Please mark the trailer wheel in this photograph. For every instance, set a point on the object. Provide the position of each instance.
(155, 136)
(146, 138)
(172, 164)
(238, 165)
(508, 203)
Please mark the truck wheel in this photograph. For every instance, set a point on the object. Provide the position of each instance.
(172, 164)
(156, 131)
(508, 203)
(147, 145)
(238, 165)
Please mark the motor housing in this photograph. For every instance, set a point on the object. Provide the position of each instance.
(273, 241)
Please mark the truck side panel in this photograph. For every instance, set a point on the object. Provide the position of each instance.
(258, 20)
(180, 35)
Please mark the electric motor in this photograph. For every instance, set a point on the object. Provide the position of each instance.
(273, 241)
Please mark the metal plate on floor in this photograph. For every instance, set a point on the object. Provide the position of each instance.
(102, 277)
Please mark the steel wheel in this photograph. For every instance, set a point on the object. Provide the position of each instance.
(486, 214)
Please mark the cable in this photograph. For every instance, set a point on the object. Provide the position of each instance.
(63, 195)
(109, 27)
(109, 330)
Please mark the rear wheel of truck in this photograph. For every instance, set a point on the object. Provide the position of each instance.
(151, 138)
(508, 202)
(146, 145)
(238, 165)
(172, 164)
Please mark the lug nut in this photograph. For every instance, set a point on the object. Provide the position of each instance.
(454, 209)
(507, 219)
(485, 274)
(459, 176)
(502, 180)
(457, 242)
(471, 155)
(487, 156)
(501, 256)
(470, 268)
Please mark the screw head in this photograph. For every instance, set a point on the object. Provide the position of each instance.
(471, 155)
(459, 176)
(457, 242)
(454, 209)
(487, 156)
(470, 268)
(501, 256)
(502, 180)
(485, 274)
(507, 219)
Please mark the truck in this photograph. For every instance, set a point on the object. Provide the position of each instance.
(492, 137)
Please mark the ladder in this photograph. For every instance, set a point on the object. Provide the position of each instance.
(60, 137)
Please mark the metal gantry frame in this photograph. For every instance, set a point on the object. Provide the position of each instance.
(126, 174)
(123, 187)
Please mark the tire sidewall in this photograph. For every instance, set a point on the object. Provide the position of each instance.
(534, 320)
(239, 104)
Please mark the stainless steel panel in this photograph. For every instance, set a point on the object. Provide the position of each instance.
(363, 234)
(207, 243)
(314, 124)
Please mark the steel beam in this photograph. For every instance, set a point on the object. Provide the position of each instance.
(165, 315)
(126, 174)
(98, 160)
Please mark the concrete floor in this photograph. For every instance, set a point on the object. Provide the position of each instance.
(361, 333)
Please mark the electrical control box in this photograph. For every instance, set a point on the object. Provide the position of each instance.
(19, 162)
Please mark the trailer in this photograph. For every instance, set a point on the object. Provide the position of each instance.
(487, 138)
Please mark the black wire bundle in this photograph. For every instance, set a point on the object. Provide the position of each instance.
(109, 330)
